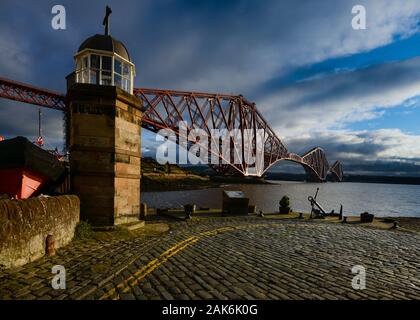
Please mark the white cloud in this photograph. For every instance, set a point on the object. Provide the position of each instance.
(339, 99)
(397, 144)
(14, 60)
(235, 47)
(363, 146)
(238, 48)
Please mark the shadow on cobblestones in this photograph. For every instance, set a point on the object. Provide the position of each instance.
(228, 258)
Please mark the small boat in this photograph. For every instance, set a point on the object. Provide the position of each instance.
(25, 168)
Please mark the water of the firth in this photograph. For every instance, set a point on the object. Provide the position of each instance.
(379, 199)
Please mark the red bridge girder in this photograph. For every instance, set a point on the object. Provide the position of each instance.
(22, 92)
(337, 171)
(163, 109)
(314, 162)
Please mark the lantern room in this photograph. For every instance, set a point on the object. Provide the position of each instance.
(103, 60)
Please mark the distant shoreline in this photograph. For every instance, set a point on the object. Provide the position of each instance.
(301, 177)
(349, 178)
(190, 183)
(157, 177)
(164, 183)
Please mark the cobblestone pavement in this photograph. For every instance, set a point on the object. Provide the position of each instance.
(231, 258)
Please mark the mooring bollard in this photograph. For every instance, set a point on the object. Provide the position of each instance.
(396, 225)
(300, 215)
(345, 220)
(50, 246)
(366, 217)
(143, 211)
(189, 210)
(252, 209)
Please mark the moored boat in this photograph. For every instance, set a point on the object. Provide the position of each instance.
(25, 168)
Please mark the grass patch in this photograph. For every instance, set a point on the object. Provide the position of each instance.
(83, 231)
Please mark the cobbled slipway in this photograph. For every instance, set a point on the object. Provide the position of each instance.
(230, 258)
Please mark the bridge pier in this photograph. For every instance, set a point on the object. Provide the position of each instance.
(104, 140)
(311, 176)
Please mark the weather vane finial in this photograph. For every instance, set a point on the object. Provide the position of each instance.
(106, 20)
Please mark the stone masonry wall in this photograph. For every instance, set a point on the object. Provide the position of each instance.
(105, 153)
(25, 225)
(127, 163)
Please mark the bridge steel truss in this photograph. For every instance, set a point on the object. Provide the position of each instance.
(250, 144)
(251, 150)
(337, 171)
(22, 92)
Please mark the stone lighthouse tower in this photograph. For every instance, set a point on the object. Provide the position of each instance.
(104, 131)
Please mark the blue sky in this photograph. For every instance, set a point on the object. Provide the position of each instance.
(317, 81)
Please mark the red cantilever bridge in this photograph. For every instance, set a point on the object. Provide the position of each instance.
(164, 109)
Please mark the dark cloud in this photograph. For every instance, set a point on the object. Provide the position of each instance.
(336, 100)
(223, 46)
(374, 152)
(378, 168)
(22, 120)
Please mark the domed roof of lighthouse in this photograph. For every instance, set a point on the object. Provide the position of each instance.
(103, 60)
(105, 42)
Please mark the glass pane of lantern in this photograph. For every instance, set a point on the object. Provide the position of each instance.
(94, 61)
(117, 66)
(106, 63)
(85, 76)
(126, 70)
(126, 85)
(117, 80)
(85, 62)
(94, 77)
(106, 78)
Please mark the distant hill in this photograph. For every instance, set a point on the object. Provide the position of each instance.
(166, 177)
(150, 165)
(200, 169)
(285, 176)
(347, 178)
(382, 179)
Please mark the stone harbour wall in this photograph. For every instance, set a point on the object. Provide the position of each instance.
(25, 225)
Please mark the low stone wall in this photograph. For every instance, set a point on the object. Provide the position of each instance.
(25, 225)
